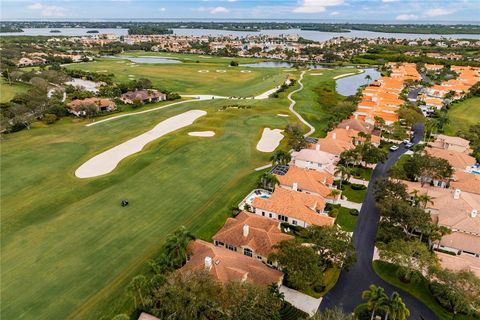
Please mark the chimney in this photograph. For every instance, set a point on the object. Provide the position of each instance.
(246, 229)
(347, 127)
(356, 116)
(474, 213)
(317, 147)
(334, 135)
(456, 194)
(295, 186)
(208, 263)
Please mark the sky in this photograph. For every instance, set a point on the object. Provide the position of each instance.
(398, 11)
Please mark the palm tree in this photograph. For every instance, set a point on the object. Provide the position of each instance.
(397, 308)
(176, 247)
(368, 78)
(374, 296)
(344, 172)
(424, 199)
(280, 157)
(268, 181)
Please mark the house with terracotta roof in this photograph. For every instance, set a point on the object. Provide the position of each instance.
(315, 159)
(318, 183)
(144, 96)
(251, 235)
(225, 265)
(357, 125)
(457, 210)
(293, 207)
(77, 106)
(451, 143)
(335, 144)
(458, 160)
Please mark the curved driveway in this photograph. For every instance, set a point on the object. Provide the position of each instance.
(347, 292)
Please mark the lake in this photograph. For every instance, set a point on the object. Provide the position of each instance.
(148, 60)
(320, 36)
(349, 85)
(307, 34)
(65, 32)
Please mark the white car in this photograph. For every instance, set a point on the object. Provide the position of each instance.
(406, 141)
(394, 148)
(409, 145)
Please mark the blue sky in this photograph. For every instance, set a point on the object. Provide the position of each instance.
(342, 10)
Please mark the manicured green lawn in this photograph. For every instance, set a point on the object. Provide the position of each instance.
(8, 91)
(353, 195)
(346, 220)
(69, 248)
(462, 115)
(420, 290)
(209, 76)
(318, 97)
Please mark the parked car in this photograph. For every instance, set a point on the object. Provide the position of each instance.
(394, 148)
(406, 141)
(409, 145)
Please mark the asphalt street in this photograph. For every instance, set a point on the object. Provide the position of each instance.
(347, 292)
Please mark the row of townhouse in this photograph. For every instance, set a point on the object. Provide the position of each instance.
(455, 204)
(436, 96)
(381, 97)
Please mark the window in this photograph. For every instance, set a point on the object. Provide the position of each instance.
(294, 222)
(247, 252)
(263, 213)
(282, 218)
(219, 243)
(230, 247)
(259, 257)
(270, 215)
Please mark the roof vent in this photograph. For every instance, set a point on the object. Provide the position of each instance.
(246, 230)
(474, 213)
(456, 194)
(208, 263)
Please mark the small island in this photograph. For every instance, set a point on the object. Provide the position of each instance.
(92, 31)
(55, 31)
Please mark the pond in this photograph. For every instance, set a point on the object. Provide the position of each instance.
(147, 60)
(348, 86)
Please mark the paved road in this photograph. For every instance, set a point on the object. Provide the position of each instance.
(347, 292)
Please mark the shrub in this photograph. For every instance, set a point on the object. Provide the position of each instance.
(354, 212)
(233, 63)
(49, 118)
(333, 213)
(356, 186)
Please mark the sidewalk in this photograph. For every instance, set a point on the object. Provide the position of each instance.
(301, 300)
(349, 204)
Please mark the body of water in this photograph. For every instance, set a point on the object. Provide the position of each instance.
(321, 36)
(349, 85)
(311, 35)
(65, 32)
(147, 60)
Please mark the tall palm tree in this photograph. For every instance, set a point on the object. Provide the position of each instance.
(374, 296)
(397, 308)
(368, 78)
(344, 172)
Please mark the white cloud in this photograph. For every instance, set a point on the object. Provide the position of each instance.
(162, 9)
(335, 13)
(219, 10)
(387, 1)
(439, 12)
(231, 0)
(406, 17)
(314, 6)
(48, 11)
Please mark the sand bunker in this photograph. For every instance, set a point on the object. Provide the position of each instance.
(282, 115)
(221, 71)
(201, 133)
(270, 140)
(245, 71)
(203, 71)
(316, 74)
(346, 75)
(107, 161)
